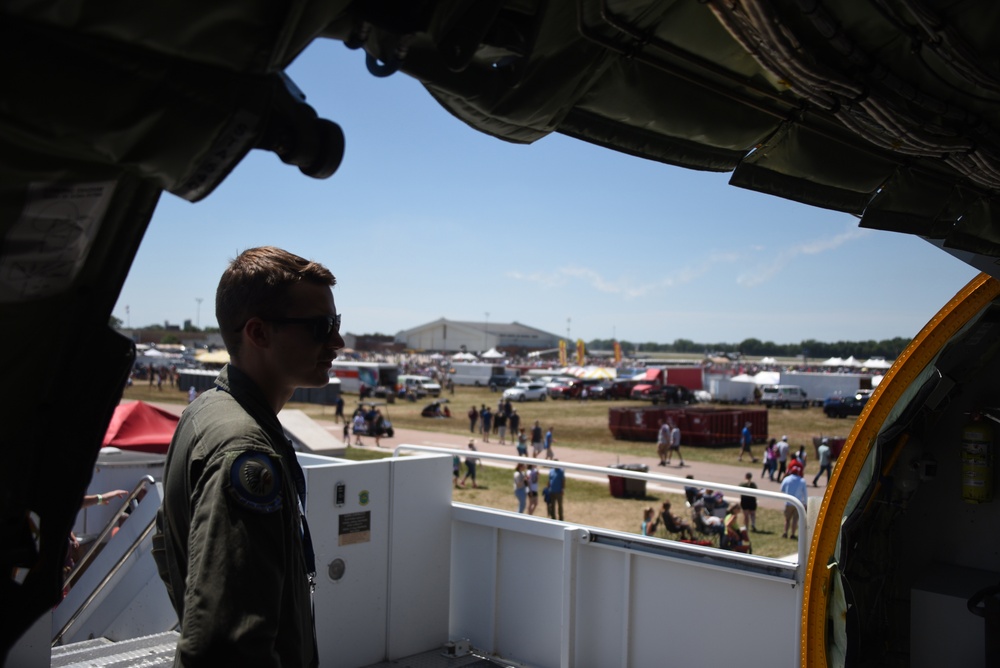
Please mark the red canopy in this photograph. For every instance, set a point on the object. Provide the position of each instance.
(650, 375)
(139, 426)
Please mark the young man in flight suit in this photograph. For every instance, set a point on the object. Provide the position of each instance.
(233, 546)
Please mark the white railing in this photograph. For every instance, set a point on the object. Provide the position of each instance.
(547, 593)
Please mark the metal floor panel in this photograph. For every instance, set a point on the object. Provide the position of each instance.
(155, 651)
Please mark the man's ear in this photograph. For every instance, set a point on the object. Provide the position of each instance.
(257, 333)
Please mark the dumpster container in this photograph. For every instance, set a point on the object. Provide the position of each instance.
(617, 485)
(622, 487)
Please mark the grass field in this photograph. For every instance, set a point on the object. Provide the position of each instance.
(578, 425)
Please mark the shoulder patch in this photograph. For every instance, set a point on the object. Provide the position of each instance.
(255, 482)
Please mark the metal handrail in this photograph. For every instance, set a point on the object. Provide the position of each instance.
(108, 528)
(103, 583)
(802, 545)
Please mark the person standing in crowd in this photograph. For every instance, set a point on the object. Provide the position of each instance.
(748, 503)
(547, 444)
(825, 460)
(770, 460)
(536, 439)
(456, 468)
(522, 443)
(746, 440)
(500, 419)
(338, 415)
(675, 443)
(473, 418)
(359, 426)
(781, 450)
(793, 485)
(470, 466)
(532, 488)
(663, 442)
(486, 422)
(513, 421)
(234, 493)
(800, 456)
(520, 487)
(554, 492)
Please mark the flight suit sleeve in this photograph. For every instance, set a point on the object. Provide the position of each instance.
(238, 556)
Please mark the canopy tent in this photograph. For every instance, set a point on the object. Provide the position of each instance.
(492, 354)
(833, 361)
(460, 357)
(140, 426)
(876, 363)
(768, 360)
(850, 361)
(592, 372)
(767, 378)
(437, 356)
(212, 357)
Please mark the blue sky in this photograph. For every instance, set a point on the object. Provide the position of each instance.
(427, 218)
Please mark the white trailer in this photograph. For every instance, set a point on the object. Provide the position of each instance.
(819, 386)
(475, 373)
(728, 391)
(374, 375)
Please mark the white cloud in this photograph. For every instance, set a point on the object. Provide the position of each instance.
(625, 287)
(766, 270)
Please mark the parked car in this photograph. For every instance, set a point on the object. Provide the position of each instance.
(496, 382)
(531, 391)
(840, 406)
(664, 394)
(558, 387)
(784, 396)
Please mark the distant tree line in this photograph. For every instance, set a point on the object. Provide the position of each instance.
(811, 348)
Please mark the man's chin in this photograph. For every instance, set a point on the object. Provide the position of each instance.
(319, 379)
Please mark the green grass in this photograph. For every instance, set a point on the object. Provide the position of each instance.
(576, 425)
(591, 504)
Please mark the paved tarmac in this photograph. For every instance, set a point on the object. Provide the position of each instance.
(705, 471)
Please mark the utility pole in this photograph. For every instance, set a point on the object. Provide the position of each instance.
(197, 316)
(486, 331)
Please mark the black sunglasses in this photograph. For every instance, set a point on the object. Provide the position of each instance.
(322, 326)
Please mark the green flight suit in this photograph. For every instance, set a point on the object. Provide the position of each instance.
(232, 552)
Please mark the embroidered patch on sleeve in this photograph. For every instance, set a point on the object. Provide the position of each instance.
(255, 482)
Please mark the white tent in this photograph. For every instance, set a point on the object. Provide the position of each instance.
(463, 357)
(850, 361)
(599, 372)
(876, 363)
(767, 378)
(768, 360)
(833, 361)
(492, 354)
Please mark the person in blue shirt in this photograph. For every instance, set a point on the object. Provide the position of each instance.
(746, 438)
(554, 492)
(547, 444)
(793, 485)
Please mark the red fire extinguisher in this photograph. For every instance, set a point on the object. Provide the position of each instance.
(977, 460)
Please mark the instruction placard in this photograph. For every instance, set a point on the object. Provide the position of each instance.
(354, 528)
